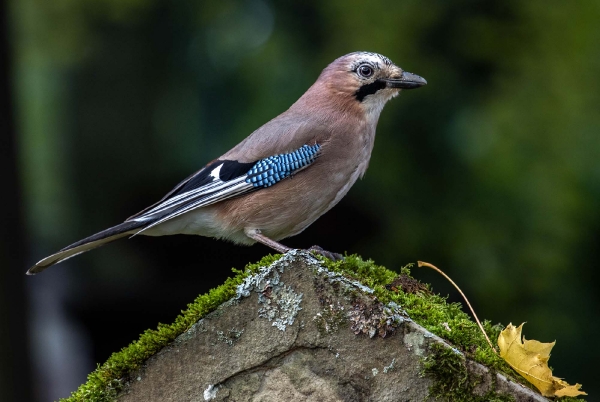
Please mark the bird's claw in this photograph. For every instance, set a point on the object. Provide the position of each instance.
(327, 254)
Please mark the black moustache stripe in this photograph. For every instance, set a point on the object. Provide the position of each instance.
(369, 89)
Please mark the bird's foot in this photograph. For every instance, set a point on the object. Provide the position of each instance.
(327, 254)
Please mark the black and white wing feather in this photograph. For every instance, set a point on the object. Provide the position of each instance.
(222, 180)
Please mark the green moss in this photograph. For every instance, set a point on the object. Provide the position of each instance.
(428, 310)
(106, 381)
(453, 381)
(432, 312)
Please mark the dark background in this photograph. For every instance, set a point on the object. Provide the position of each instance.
(491, 172)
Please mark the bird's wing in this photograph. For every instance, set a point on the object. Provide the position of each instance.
(224, 179)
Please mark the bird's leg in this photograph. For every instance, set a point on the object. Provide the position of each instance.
(255, 234)
(327, 254)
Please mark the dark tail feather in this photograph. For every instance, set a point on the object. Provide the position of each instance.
(97, 240)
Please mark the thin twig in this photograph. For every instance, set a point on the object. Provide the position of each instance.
(426, 264)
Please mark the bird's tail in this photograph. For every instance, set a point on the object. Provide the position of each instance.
(97, 240)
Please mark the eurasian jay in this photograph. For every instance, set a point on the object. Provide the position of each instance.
(284, 175)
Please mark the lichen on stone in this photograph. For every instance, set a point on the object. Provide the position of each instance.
(414, 342)
(377, 319)
(331, 317)
(210, 392)
(334, 277)
(231, 336)
(280, 304)
(389, 367)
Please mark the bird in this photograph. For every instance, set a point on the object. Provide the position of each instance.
(284, 175)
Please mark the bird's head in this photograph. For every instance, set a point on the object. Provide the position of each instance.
(369, 79)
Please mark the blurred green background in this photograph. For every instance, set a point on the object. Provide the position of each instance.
(491, 172)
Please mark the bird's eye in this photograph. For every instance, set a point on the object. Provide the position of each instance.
(365, 71)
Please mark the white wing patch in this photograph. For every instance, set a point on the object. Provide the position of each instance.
(216, 171)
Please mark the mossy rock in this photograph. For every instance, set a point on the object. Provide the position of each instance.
(288, 313)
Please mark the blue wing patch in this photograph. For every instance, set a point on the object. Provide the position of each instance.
(273, 169)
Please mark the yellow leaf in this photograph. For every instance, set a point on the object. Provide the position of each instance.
(569, 390)
(530, 359)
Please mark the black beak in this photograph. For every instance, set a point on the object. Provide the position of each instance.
(407, 81)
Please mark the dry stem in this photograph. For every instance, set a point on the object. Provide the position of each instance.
(426, 264)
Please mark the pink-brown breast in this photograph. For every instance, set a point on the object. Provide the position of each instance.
(291, 205)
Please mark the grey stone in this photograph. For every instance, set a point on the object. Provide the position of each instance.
(297, 332)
